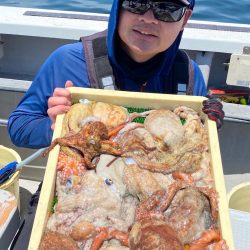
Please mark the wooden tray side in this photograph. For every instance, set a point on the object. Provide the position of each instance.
(141, 100)
(47, 193)
(135, 99)
(217, 171)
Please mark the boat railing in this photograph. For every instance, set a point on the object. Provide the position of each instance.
(14, 85)
(3, 122)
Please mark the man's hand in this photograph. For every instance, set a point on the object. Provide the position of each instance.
(214, 110)
(59, 103)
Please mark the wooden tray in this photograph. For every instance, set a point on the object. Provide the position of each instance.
(141, 100)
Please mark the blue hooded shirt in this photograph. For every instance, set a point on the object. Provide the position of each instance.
(29, 125)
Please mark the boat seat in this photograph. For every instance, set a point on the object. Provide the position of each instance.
(14, 85)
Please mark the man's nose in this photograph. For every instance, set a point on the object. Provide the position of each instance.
(148, 17)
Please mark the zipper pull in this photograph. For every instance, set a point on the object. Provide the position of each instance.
(142, 86)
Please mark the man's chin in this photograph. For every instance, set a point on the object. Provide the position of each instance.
(139, 54)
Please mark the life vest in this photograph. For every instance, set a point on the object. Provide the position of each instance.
(101, 74)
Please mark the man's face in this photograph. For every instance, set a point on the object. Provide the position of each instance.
(143, 36)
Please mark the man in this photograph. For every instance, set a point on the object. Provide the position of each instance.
(142, 46)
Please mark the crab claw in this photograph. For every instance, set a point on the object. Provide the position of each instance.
(106, 233)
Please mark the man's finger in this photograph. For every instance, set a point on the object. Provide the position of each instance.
(69, 84)
(62, 92)
(54, 111)
(53, 126)
(55, 101)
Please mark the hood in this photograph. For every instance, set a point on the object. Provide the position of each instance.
(113, 35)
(189, 3)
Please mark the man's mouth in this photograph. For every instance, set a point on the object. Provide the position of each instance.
(146, 33)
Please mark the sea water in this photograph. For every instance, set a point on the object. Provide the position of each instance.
(231, 11)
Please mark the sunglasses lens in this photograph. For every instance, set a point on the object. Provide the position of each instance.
(168, 12)
(135, 6)
(163, 11)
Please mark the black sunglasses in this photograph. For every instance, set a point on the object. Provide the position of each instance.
(163, 11)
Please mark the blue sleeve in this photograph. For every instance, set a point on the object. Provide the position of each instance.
(29, 125)
(200, 88)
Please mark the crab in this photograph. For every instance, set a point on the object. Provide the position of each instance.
(155, 233)
(152, 233)
(91, 141)
(187, 209)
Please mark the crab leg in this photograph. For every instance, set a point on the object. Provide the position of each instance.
(107, 234)
(99, 239)
(159, 201)
(221, 245)
(114, 131)
(143, 114)
(121, 236)
(207, 238)
(178, 175)
(213, 198)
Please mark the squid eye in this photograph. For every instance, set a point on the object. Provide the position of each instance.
(109, 182)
